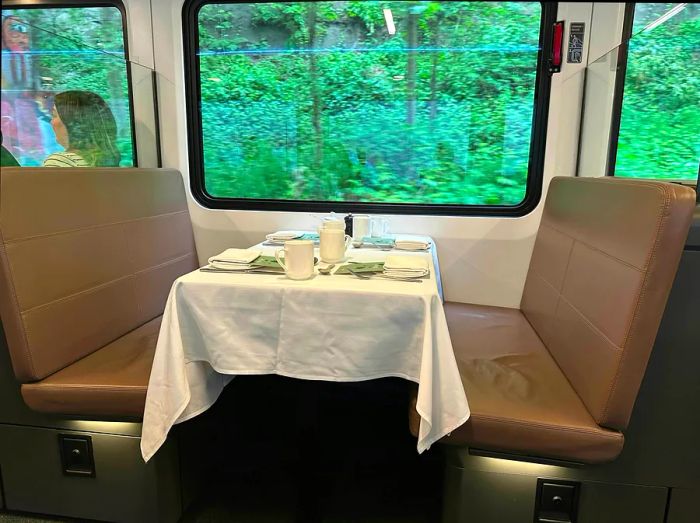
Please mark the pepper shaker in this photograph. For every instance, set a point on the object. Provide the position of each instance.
(348, 224)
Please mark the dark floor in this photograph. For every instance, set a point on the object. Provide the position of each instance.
(275, 449)
(24, 518)
(303, 451)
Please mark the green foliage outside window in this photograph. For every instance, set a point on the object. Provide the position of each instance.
(660, 123)
(317, 101)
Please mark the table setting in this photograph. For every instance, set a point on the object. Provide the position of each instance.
(319, 305)
(299, 248)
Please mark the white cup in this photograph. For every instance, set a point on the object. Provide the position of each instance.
(360, 226)
(298, 259)
(380, 227)
(333, 223)
(334, 243)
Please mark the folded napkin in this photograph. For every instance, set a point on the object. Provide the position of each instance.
(281, 236)
(234, 259)
(411, 245)
(406, 266)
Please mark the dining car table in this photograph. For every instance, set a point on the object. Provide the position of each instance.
(331, 327)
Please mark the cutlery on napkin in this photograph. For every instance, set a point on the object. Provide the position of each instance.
(234, 259)
(279, 237)
(406, 266)
(374, 243)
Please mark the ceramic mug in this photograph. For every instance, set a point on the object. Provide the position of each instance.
(360, 226)
(298, 260)
(334, 243)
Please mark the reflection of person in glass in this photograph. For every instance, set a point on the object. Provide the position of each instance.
(21, 122)
(15, 42)
(85, 127)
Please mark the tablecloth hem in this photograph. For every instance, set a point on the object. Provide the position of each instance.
(428, 442)
(176, 419)
(148, 455)
(248, 372)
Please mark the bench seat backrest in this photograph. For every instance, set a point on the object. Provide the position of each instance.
(604, 260)
(86, 255)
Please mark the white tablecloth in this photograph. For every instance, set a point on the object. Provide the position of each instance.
(333, 328)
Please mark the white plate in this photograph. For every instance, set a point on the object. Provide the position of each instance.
(403, 262)
(281, 236)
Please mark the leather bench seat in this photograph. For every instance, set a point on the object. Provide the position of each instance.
(87, 259)
(520, 400)
(558, 377)
(111, 381)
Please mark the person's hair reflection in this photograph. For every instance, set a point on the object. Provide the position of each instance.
(85, 127)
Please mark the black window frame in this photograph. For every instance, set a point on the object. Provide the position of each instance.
(619, 89)
(533, 190)
(73, 4)
(618, 98)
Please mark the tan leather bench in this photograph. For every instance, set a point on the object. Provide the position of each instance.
(558, 378)
(87, 258)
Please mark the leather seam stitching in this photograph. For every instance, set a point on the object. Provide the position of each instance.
(17, 311)
(593, 248)
(563, 280)
(547, 426)
(132, 264)
(575, 309)
(94, 227)
(560, 298)
(589, 323)
(106, 284)
(631, 182)
(661, 222)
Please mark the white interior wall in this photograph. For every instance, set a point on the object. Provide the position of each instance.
(138, 24)
(601, 74)
(140, 42)
(483, 260)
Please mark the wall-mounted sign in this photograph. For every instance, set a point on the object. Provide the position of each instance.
(576, 33)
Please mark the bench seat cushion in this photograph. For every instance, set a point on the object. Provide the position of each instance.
(111, 381)
(520, 400)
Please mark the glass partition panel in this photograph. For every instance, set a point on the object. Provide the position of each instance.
(652, 84)
(599, 93)
(65, 87)
(144, 89)
(659, 133)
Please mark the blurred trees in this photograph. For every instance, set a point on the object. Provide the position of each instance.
(439, 112)
(318, 101)
(660, 123)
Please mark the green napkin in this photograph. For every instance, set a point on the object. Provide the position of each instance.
(270, 262)
(368, 240)
(360, 267)
(266, 261)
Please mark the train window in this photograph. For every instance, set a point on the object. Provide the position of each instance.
(65, 89)
(407, 107)
(659, 135)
